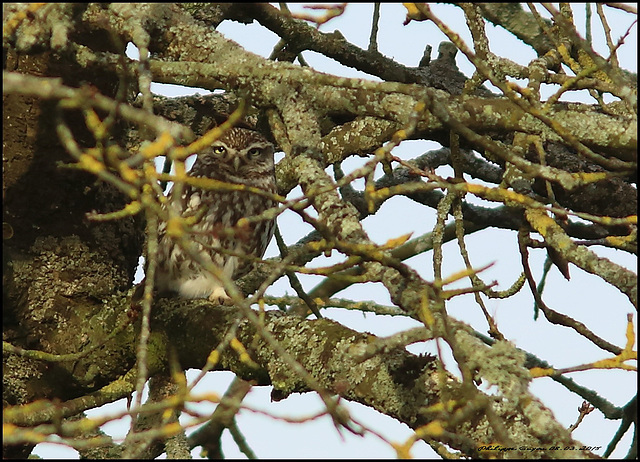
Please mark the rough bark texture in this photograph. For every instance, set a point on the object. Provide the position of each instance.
(66, 277)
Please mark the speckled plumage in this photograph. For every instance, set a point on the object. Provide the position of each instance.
(240, 156)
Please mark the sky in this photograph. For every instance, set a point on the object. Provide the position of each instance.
(598, 305)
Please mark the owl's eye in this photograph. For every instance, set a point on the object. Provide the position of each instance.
(220, 150)
(254, 153)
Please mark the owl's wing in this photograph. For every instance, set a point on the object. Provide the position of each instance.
(263, 232)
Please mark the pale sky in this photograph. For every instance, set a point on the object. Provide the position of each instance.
(600, 306)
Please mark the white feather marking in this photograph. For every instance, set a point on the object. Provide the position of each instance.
(194, 201)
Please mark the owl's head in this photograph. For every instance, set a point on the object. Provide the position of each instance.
(238, 155)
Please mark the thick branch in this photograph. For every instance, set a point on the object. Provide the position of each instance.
(394, 382)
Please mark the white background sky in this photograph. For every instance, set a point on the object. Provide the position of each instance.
(598, 305)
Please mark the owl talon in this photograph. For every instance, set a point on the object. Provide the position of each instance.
(220, 297)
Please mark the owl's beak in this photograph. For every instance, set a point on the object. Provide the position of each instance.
(236, 163)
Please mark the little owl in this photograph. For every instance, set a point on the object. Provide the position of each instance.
(240, 156)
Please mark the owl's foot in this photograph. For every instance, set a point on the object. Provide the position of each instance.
(219, 297)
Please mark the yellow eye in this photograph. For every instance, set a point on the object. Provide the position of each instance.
(220, 150)
(254, 153)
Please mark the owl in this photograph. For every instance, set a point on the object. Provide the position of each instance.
(240, 156)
